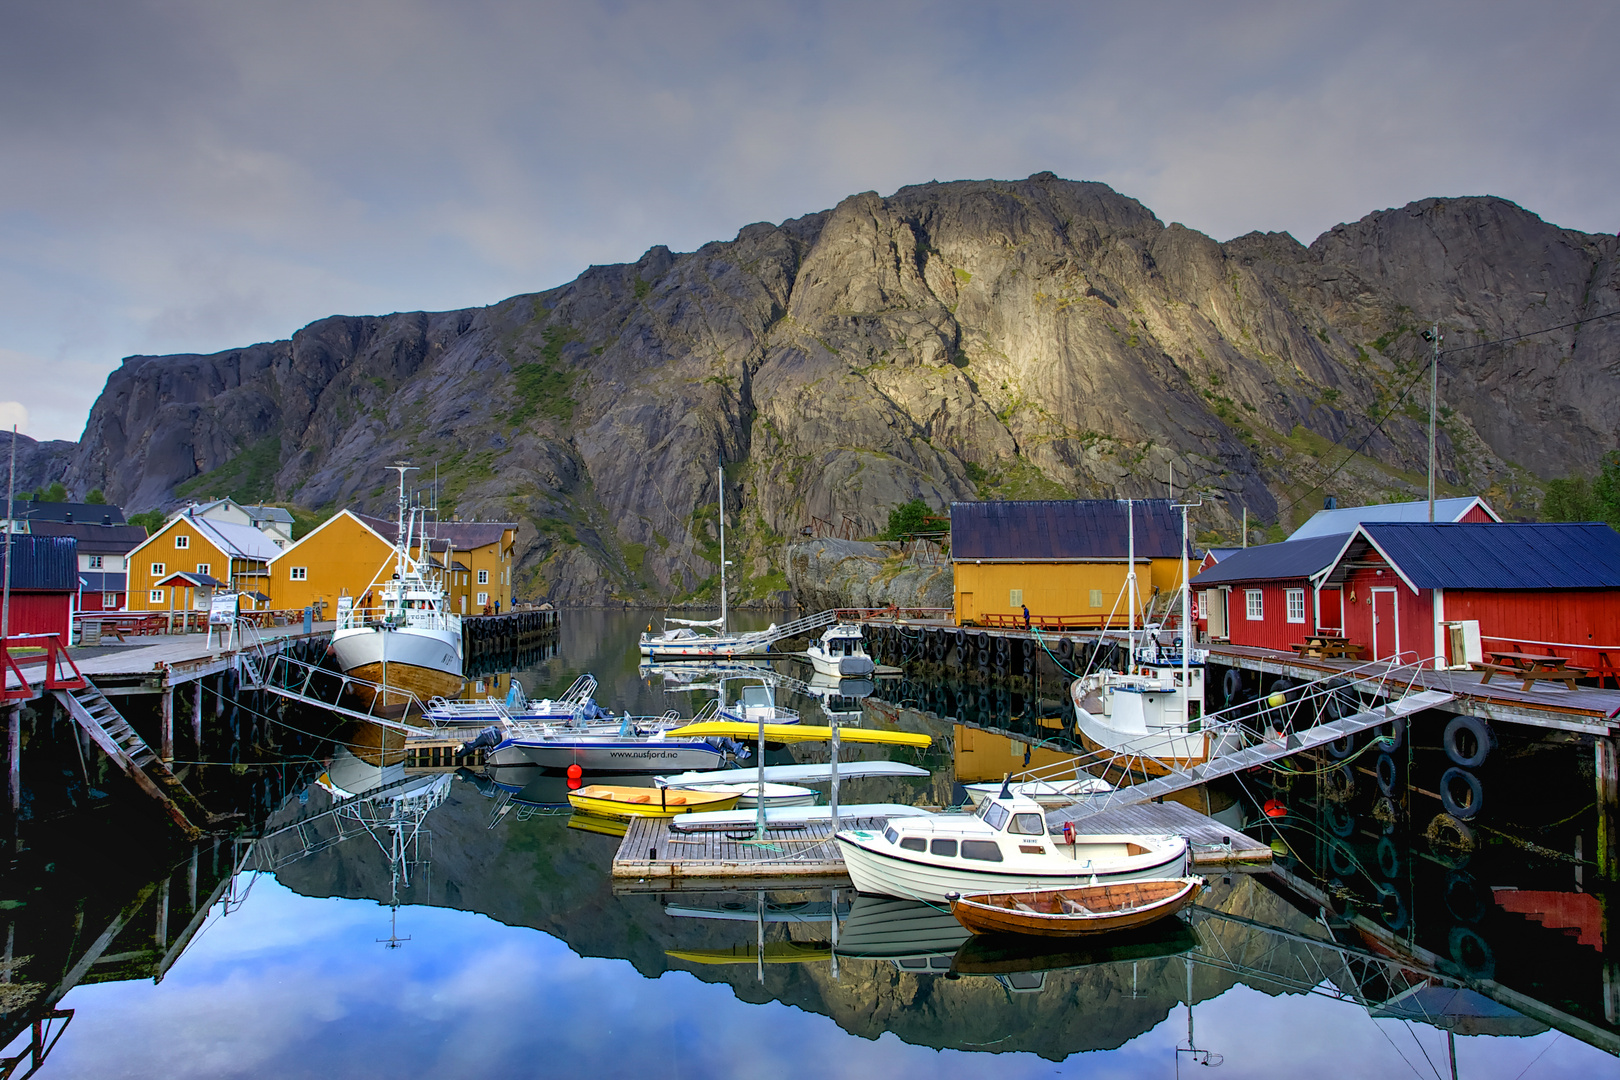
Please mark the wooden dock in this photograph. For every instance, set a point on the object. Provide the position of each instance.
(653, 856)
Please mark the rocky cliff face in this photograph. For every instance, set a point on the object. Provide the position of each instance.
(38, 463)
(1036, 338)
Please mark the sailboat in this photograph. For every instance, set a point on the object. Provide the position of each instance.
(1152, 711)
(705, 639)
(414, 642)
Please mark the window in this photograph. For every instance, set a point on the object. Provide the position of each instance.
(913, 843)
(205, 569)
(483, 577)
(946, 848)
(1096, 598)
(181, 540)
(1015, 597)
(109, 601)
(1027, 825)
(279, 543)
(983, 850)
(995, 815)
(94, 562)
(1296, 605)
(157, 569)
(483, 598)
(890, 835)
(298, 573)
(1253, 605)
(155, 596)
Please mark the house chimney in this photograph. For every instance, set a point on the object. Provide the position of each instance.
(106, 519)
(68, 517)
(1330, 503)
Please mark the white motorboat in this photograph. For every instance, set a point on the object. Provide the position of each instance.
(573, 706)
(1004, 847)
(628, 745)
(1050, 794)
(412, 642)
(841, 652)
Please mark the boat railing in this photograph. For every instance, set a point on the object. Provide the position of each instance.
(447, 710)
(579, 691)
(358, 618)
(710, 710)
(1251, 723)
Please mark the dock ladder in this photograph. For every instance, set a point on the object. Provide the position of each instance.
(106, 726)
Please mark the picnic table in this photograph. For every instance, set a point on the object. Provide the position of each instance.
(1529, 667)
(1327, 647)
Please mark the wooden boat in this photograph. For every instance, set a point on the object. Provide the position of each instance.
(1006, 954)
(1076, 912)
(606, 800)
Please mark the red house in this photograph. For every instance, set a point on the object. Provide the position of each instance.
(1266, 596)
(1535, 588)
(44, 580)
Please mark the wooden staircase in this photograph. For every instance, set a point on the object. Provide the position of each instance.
(92, 711)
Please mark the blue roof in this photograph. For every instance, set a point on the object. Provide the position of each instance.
(1271, 562)
(1064, 529)
(1470, 555)
(1339, 522)
(42, 563)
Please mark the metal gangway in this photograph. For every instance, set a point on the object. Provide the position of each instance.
(1316, 713)
(311, 684)
(759, 641)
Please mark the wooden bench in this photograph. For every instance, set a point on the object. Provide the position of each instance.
(1328, 648)
(1530, 673)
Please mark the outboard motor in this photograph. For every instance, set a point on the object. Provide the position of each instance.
(489, 738)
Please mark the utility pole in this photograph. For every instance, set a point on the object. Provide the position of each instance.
(1434, 405)
(11, 515)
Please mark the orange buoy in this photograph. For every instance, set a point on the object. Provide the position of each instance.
(573, 783)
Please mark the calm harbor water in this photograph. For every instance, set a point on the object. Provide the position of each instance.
(455, 925)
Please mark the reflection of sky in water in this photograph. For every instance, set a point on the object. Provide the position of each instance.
(290, 986)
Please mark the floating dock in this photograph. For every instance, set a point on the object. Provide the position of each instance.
(654, 857)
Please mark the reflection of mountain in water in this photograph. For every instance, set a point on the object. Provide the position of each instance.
(539, 873)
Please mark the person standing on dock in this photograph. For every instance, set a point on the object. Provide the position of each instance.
(1026, 616)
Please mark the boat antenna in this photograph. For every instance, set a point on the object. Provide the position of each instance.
(1006, 787)
(720, 481)
(1187, 628)
(402, 539)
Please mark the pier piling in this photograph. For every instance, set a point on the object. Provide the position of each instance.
(166, 749)
(1608, 807)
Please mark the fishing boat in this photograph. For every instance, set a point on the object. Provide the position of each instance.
(573, 706)
(413, 642)
(841, 652)
(630, 744)
(1050, 794)
(1076, 912)
(1149, 713)
(611, 801)
(1004, 846)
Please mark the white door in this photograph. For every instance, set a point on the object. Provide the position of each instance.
(1386, 624)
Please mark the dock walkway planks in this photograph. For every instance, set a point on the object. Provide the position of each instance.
(661, 858)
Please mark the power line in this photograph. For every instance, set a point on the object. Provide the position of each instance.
(1533, 333)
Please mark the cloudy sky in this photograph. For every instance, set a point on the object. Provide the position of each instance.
(181, 175)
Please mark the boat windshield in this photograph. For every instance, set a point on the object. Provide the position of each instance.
(995, 815)
(1027, 825)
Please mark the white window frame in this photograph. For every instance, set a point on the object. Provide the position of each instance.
(1296, 602)
(1254, 605)
(483, 599)
(205, 569)
(154, 596)
(109, 601)
(181, 540)
(297, 573)
(483, 577)
(94, 562)
(157, 569)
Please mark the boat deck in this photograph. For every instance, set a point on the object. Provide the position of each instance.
(1587, 709)
(653, 857)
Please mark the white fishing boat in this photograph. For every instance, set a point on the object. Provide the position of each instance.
(1005, 846)
(1050, 794)
(412, 642)
(1151, 711)
(841, 652)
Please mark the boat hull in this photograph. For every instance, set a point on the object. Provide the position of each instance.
(875, 866)
(615, 802)
(841, 667)
(610, 755)
(747, 793)
(1108, 908)
(424, 663)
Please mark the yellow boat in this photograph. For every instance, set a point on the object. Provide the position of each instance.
(607, 800)
(786, 733)
(604, 826)
(776, 952)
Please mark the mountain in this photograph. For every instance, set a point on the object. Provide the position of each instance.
(1037, 338)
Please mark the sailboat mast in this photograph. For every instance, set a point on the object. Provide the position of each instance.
(1186, 626)
(720, 479)
(1130, 581)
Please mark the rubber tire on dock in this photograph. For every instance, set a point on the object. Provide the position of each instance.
(1232, 685)
(1339, 784)
(1453, 799)
(1389, 859)
(1389, 773)
(1339, 749)
(1464, 898)
(1472, 953)
(1391, 908)
(1460, 732)
(1340, 822)
(1395, 732)
(1451, 842)
(1340, 859)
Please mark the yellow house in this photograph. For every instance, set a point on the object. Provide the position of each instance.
(1065, 560)
(235, 554)
(353, 554)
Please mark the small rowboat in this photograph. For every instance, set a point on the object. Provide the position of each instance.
(1075, 912)
(606, 800)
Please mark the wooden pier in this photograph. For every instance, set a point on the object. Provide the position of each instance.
(655, 857)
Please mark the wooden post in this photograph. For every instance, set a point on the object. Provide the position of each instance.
(1607, 752)
(196, 716)
(166, 749)
(14, 760)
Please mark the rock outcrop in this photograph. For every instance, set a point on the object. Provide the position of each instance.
(952, 341)
(39, 464)
(858, 574)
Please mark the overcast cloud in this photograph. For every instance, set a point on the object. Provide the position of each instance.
(187, 176)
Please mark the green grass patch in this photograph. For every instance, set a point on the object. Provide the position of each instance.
(246, 477)
(635, 557)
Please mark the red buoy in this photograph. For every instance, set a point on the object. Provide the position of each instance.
(575, 772)
(1274, 809)
(573, 782)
